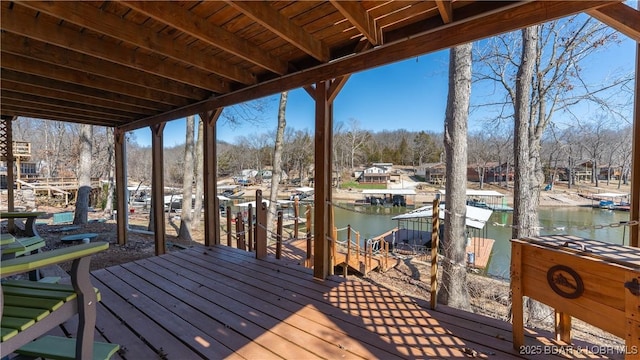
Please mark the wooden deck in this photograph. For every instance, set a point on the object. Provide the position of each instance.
(481, 248)
(221, 302)
(296, 252)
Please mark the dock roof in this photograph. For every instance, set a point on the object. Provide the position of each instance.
(476, 217)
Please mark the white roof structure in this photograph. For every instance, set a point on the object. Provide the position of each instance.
(304, 189)
(476, 217)
(223, 198)
(227, 187)
(253, 203)
(471, 192)
(389, 192)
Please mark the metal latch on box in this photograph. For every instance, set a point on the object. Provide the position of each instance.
(633, 286)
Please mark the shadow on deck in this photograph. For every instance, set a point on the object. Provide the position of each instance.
(221, 302)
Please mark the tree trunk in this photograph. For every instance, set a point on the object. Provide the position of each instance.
(187, 184)
(453, 290)
(277, 162)
(525, 212)
(197, 208)
(84, 175)
(108, 207)
(526, 187)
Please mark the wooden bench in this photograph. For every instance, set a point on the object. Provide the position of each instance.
(62, 218)
(22, 246)
(31, 309)
(6, 239)
(78, 237)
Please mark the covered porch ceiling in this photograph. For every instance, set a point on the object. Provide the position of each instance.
(132, 64)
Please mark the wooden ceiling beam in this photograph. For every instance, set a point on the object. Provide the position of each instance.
(265, 15)
(445, 9)
(88, 92)
(461, 31)
(52, 54)
(621, 17)
(184, 20)
(62, 110)
(46, 115)
(19, 22)
(86, 15)
(6, 94)
(35, 67)
(360, 18)
(335, 86)
(45, 92)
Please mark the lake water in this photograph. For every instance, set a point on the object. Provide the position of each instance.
(579, 221)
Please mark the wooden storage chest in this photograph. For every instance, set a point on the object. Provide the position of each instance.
(591, 280)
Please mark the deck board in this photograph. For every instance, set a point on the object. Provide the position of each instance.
(220, 302)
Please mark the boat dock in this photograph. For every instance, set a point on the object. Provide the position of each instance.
(481, 250)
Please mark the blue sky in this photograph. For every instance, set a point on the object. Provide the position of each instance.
(409, 95)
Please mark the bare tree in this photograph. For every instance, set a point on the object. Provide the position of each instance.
(356, 138)
(197, 207)
(453, 291)
(108, 207)
(597, 138)
(276, 174)
(526, 186)
(187, 183)
(81, 214)
(556, 85)
(480, 155)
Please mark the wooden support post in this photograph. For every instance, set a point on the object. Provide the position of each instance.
(435, 243)
(240, 231)
(358, 248)
(632, 314)
(332, 249)
(120, 144)
(348, 257)
(516, 296)
(261, 226)
(562, 324)
(322, 181)
(212, 231)
(309, 237)
(250, 228)
(634, 215)
(229, 216)
(279, 236)
(296, 214)
(157, 187)
(10, 175)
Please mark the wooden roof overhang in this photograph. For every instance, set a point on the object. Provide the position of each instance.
(131, 64)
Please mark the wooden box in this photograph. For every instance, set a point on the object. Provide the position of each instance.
(591, 280)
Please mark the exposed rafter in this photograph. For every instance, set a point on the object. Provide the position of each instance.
(83, 14)
(21, 23)
(360, 18)
(35, 67)
(138, 63)
(182, 19)
(54, 55)
(265, 15)
(446, 11)
(459, 32)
